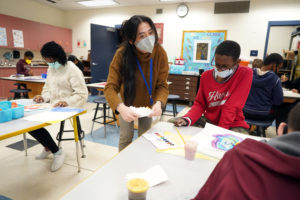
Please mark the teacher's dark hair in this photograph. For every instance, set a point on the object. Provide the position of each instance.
(129, 66)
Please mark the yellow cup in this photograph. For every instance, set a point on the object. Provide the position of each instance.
(137, 189)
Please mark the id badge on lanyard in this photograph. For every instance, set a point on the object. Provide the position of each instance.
(149, 87)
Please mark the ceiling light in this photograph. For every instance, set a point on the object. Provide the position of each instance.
(167, 0)
(93, 3)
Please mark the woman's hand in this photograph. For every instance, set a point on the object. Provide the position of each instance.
(156, 109)
(38, 99)
(295, 90)
(127, 114)
(61, 104)
(180, 122)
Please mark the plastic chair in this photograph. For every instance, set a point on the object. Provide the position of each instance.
(261, 126)
(102, 100)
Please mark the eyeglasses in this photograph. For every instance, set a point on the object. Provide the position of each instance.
(220, 67)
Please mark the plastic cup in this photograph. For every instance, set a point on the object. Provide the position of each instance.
(137, 189)
(44, 75)
(190, 148)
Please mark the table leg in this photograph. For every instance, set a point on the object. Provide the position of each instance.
(76, 141)
(25, 143)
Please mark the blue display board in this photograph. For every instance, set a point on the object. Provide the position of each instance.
(198, 48)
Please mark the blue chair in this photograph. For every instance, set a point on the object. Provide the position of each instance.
(261, 126)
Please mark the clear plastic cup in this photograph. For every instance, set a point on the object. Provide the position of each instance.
(137, 189)
(190, 149)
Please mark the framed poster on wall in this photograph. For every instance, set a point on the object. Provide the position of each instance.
(160, 31)
(198, 48)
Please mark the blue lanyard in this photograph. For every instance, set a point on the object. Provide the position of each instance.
(148, 88)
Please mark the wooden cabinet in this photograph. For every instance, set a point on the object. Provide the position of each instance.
(185, 86)
(35, 34)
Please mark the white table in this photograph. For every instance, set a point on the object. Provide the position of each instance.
(290, 94)
(185, 177)
(35, 83)
(20, 126)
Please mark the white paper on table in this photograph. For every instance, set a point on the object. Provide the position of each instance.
(155, 175)
(49, 116)
(215, 141)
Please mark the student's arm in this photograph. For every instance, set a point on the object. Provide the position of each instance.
(80, 92)
(277, 93)
(295, 84)
(161, 91)
(237, 99)
(21, 69)
(114, 81)
(199, 105)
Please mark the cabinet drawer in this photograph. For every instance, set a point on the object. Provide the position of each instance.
(183, 87)
(173, 77)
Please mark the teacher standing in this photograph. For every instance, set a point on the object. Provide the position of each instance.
(137, 77)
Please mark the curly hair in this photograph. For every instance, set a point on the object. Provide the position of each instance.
(54, 51)
(229, 48)
(257, 63)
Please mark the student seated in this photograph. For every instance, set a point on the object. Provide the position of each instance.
(64, 86)
(257, 63)
(266, 90)
(77, 62)
(270, 170)
(284, 108)
(294, 86)
(23, 65)
(222, 93)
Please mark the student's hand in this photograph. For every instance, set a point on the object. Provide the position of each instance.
(38, 99)
(127, 114)
(156, 109)
(281, 128)
(180, 122)
(30, 73)
(295, 90)
(284, 78)
(61, 104)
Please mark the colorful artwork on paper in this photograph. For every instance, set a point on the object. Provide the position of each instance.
(3, 37)
(225, 142)
(198, 48)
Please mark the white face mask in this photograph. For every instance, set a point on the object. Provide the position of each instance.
(223, 74)
(146, 44)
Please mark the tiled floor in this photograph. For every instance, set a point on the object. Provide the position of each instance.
(24, 178)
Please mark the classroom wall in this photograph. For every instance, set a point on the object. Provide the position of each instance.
(279, 38)
(35, 11)
(248, 29)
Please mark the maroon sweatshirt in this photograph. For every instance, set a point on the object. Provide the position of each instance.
(257, 170)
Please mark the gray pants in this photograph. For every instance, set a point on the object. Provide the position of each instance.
(127, 128)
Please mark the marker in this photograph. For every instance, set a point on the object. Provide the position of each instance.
(180, 135)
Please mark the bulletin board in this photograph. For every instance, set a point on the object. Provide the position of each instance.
(198, 48)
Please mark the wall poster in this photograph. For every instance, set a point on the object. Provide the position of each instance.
(198, 48)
